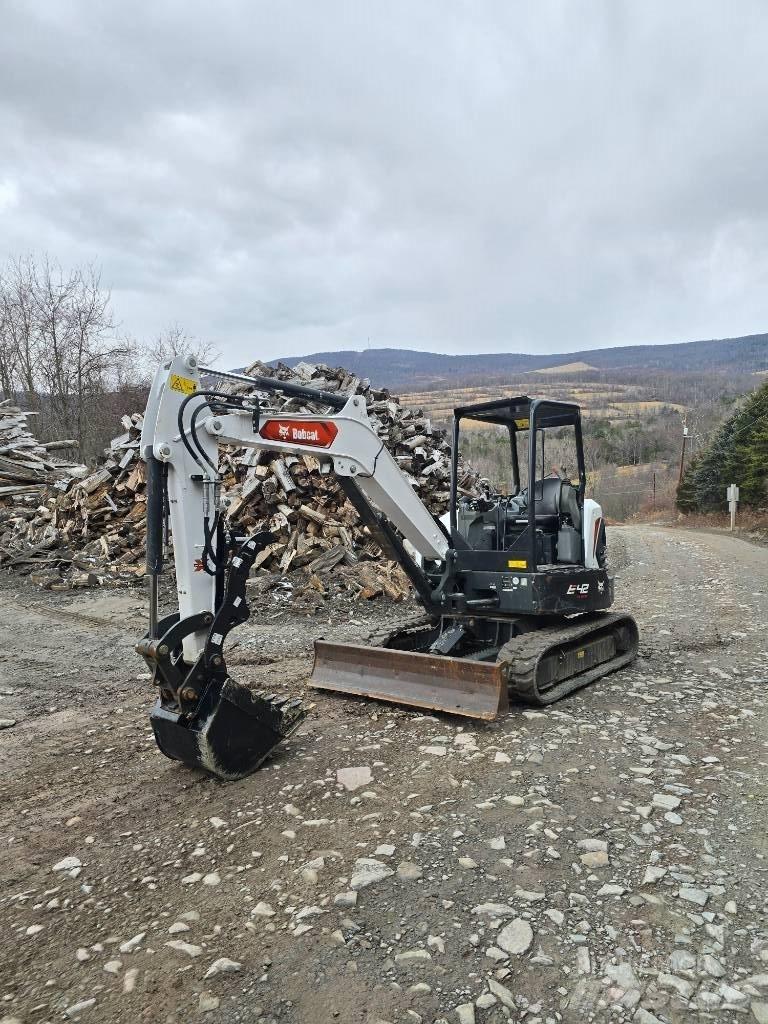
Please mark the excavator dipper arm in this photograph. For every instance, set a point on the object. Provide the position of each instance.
(202, 717)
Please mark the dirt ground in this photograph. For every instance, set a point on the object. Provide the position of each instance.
(601, 860)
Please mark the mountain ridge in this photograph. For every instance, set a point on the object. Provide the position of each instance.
(393, 367)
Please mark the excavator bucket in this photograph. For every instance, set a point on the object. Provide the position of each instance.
(231, 733)
(457, 686)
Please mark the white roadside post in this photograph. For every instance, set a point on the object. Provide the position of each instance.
(732, 494)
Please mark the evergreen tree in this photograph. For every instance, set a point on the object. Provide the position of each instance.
(686, 494)
(738, 453)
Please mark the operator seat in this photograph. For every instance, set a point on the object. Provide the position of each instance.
(555, 498)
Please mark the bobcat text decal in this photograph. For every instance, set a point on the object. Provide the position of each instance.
(313, 433)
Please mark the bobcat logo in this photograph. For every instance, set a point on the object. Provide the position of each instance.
(284, 431)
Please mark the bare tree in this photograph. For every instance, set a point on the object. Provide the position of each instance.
(59, 350)
(174, 341)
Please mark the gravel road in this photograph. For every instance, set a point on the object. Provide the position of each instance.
(602, 860)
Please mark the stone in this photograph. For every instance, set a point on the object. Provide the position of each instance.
(212, 879)
(113, 966)
(207, 1002)
(610, 889)
(262, 910)
(493, 910)
(353, 778)
(583, 964)
(77, 1008)
(177, 927)
(486, 1001)
(672, 818)
(645, 1017)
(499, 843)
(67, 864)
(501, 758)
(596, 859)
(223, 966)
(345, 899)
(494, 953)
(516, 937)
(368, 871)
(555, 916)
(408, 872)
(503, 994)
(672, 981)
(666, 801)
(7, 723)
(130, 978)
(467, 863)
(653, 874)
(217, 822)
(180, 946)
(593, 845)
(711, 965)
(411, 955)
(465, 1013)
(622, 975)
(385, 850)
(681, 960)
(692, 895)
(132, 944)
(733, 996)
(760, 1012)
(529, 897)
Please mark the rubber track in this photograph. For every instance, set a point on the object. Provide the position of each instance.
(522, 655)
(383, 634)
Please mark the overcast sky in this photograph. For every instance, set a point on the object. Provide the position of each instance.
(283, 178)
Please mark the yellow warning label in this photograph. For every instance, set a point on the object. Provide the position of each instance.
(185, 385)
(522, 424)
(580, 654)
(517, 563)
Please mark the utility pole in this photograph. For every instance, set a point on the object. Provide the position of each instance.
(682, 455)
(654, 492)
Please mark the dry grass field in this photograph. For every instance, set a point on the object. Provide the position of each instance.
(615, 402)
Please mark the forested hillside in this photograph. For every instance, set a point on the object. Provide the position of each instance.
(406, 369)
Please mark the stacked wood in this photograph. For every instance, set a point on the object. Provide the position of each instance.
(97, 525)
(26, 466)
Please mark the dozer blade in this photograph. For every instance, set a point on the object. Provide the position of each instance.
(231, 732)
(457, 686)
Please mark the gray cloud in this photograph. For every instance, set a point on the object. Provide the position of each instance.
(283, 178)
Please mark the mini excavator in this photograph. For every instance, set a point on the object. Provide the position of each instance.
(514, 587)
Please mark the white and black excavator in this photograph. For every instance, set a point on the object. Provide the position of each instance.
(514, 587)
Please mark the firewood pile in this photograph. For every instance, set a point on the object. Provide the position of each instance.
(26, 465)
(94, 532)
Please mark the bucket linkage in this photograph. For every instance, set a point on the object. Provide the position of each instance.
(202, 716)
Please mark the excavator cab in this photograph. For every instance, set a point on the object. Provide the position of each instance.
(542, 522)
